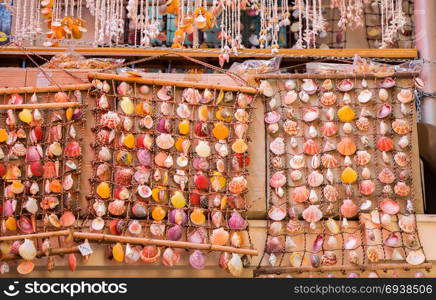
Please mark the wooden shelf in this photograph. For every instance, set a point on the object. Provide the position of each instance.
(213, 53)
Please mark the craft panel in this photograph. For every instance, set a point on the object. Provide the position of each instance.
(340, 150)
(41, 159)
(170, 163)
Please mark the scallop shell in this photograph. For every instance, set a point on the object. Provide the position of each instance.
(402, 189)
(363, 124)
(311, 147)
(300, 194)
(312, 214)
(329, 129)
(401, 126)
(290, 84)
(401, 159)
(373, 254)
(415, 257)
(328, 98)
(297, 162)
(277, 146)
(296, 175)
(309, 86)
(345, 85)
(389, 206)
(266, 88)
(327, 85)
(407, 223)
(386, 176)
(290, 97)
(311, 114)
(110, 120)
(330, 192)
(362, 157)
(346, 146)
(290, 127)
(165, 141)
(387, 82)
(366, 187)
(278, 179)
(315, 179)
(385, 144)
(277, 213)
(272, 117)
(329, 161)
(383, 94)
(364, 96)
(405, 96)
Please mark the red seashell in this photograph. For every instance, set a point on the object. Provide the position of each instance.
(38, 133)
(36, 168)
(114, 227)
(243, 159)
(49, 169)
(2, 170)
(385, 144)
(150, 254)
(201, 181)
(194, 198)
(73, 149)
(72, 262)
(123, 176)
(201, 129)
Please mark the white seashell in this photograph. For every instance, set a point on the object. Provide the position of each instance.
(415, 257)
(386, 219)
(347, 128)
(31, 205)
(329, 146)
(290, 84)
(410, 208)
(366, 173)
(330, 114)
(266, 88)
(304, 97)
(315, 179)
(273, 103)
(272, 259)
(365, 141)
(290, 243)
(279, 192)
(364, 96)
(396, 255)
(386, 158)
(366, 205)
(315, 162)
(350, 243)
(384, 128)
(383, 94)
(297, 161)
(296, 175)
(27, 250)
(332, 241)
(403, 142)
(347, 161)
(405, 110)
(273, 128)
(313, 196)
(313, 132)
(293, 142)
(329, 176)
(365, 112)
(346, 99)
(277, 146)
(364, 83)
(345, 223)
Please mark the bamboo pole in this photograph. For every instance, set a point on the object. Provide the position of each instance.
(165, 243)
(39, 254)
(366, 267)
(40, 105)
(333, 76)
(45, 89)
(34, 235)
(185, 84)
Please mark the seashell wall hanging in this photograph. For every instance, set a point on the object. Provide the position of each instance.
(171, 164)
(340, 156)
(40, 163)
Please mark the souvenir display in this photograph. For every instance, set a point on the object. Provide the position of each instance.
(340, 150)
(171, 163)
(41, 158)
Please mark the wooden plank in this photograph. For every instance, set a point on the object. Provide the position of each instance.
(209, 53)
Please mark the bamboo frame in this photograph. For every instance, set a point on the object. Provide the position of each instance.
(101, 237)
(45, 89)
(184, 84)
(39, 254)
(366, 267)
(333, 76)
(40, 105)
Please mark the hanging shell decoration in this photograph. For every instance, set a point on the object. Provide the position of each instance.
(185, 172)
(329, 152)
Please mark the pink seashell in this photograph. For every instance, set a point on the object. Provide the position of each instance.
(315, 179)
(366, 187)
(236, 221)
(144, 157)
(110, 120)
(124, 89)
(387, 82)
(328, 98)
(348, 208)
(317, 243)
(277, 213)
(392, 240)
(33, 154)
(297, 162)
(277, 146)
(312, 214)
(329, 161)
(290, 97)
(25, 225)
(310, 114)
(407, 223)
(170, 257)
(384, 111)
(278, 179)
(198, 236)
(362, 157)
(345, 85)
(331, 193)
(402, 189)
(197, 260)
(272, 117)
(174, 233)
(329, 129)
(350, 243)
(309, 86)
(275, 244)
(300, 194)
(164, 93)
(389, 206)
(201, 164)
(386, 176)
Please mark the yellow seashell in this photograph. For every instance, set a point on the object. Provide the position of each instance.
(223, 203)
(220, 97)
(218, 181)
(3, 135)
(118, 252)
(220, 131)
(348, 175)
(222, 114)
(239, 146)
(129, 141)
(69, 114)
(127, 106)
(5, 247)
(346, 114)
(11, 224)
(203, 113)
(178, 144)
(26, 116)
(139, 110)
(184, 127)
(104, 190)
(178, 200)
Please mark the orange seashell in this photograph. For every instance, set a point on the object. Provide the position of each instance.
(385, 144)
(220, 131)
(346, 147)
(300, 194)
(328, 98)
(25, 267)
(329, 129)
(61, 97)
(72, 262)
(402, 189)
(389, 206)
(197, 216)
(366, 187)
(237, 185)
(56, 186)
(348, 208)
(362, 157)
(219, 237)
(239, 146)
(150, 254)
(329, 161)
(331, 193)
(67, 219)
(363, 124)
(290, 127)
(311, 147)
(400, 126)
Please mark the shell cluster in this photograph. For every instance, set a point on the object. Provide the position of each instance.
(171, 163)
(40, 163)
(339, 150)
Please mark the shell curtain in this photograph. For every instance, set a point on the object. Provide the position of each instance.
(340, 150)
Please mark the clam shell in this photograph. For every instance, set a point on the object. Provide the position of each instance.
(365, 96)
(415, 257)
